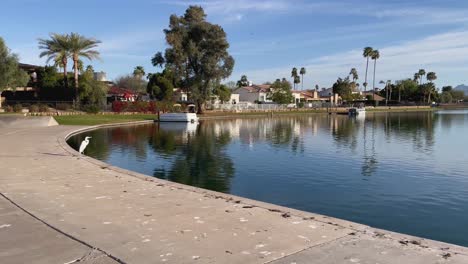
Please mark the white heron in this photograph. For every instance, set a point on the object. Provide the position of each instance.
(84, 144)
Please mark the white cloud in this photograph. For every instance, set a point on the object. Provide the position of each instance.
(217, 6)
(401, 12)
(446, 54)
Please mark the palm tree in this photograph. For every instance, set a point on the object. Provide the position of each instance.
(367, 53)
(293, 76)
(416, 77)
(354, 74)
(421, 73)
(302, 72)
(139, 72)
(375, 56)
(57, 49)
(80, 46)
(400, 86)
(431, 76)
(297, 80)
(386, 91)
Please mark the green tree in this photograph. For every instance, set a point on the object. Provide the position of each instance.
(375, 56)
(223, 92)
(81, 46)
(281, 92)
(52, 85)
(447, 89)
(139, 72)
(131, 82)
(10, 75)
(344, 88)
(302, 72)
(446, 97)
(197, 54)
(91, 91)
(243, 81)
(458, 95)
(410, 91)
(160, 86)
(367, 53)
(57, 49)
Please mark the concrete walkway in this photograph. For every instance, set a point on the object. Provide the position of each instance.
(56, 207)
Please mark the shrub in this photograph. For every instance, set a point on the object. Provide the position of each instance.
(43, 108)
(63, 106)
(33, 108)
(8, 108)
(139, 106)
(119, 106)
(91, 109)
(17, 108)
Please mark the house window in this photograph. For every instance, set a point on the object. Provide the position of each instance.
(262, 98)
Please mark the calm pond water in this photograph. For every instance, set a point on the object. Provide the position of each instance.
(406, 172)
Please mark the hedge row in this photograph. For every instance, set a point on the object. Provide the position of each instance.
(142, 107)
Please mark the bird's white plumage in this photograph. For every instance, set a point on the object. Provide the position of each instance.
(84, 144)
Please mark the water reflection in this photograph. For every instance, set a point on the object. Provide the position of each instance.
(200, 148)
(200, 159)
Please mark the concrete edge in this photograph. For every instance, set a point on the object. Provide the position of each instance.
(400, 238)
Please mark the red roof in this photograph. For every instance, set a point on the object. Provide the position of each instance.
(121, 91)
(264, 88)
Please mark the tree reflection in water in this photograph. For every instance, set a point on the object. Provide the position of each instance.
(199, 158)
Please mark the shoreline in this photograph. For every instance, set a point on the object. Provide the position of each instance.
(100, 204)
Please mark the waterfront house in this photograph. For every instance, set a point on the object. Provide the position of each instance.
(233, 99)
(307, 96)
(254, 93)
(180, 95)
(120, 94)
(376, 97)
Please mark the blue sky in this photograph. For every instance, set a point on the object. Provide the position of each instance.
(267, 37)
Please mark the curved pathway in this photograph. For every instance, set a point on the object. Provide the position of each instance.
(57, 207)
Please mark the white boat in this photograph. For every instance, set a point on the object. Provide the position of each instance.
(354, 111)
(178, 117)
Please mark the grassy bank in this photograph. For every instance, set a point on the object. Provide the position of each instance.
(90, 120)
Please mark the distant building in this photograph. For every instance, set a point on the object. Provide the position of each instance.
(100, 76)
(326, 92)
